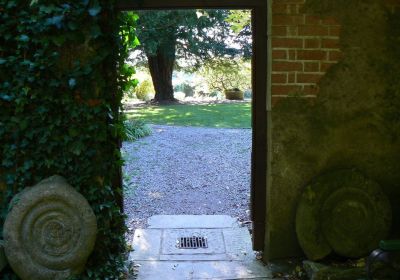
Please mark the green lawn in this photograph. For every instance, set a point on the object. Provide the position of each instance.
(233, 115)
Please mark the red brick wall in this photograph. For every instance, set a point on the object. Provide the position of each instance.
(303, 49)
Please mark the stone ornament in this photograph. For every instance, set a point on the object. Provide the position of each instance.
(49, 232)
(342, 212)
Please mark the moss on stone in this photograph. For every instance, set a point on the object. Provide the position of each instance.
(352, 124)
(344, 212)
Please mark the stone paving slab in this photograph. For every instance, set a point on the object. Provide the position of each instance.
(192, 221)
(223, 244)
(231, 270)
(238, 244)
(146, 244)
(202, 270)
(216, 244)
(199, 257)
(229, 255)
(165, 270)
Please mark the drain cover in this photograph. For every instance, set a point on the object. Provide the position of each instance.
(193, 242)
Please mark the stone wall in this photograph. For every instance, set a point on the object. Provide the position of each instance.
(344, 55)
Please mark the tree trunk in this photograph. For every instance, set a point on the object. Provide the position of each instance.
(161, 67)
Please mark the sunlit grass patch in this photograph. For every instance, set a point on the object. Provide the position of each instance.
(231, 115)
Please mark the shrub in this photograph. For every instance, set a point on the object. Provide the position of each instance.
(224, 74)
(234, 94)
(179, 95)
(135, 129)
(145, 90)
(186, 88)
(248, 94)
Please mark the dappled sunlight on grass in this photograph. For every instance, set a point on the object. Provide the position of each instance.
(235, 115)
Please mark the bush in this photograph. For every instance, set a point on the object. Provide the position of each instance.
(186, 88)
(223, 74)
(179, 95)
(234, 94)
(145, 90)
(135, 129)
(248, 94)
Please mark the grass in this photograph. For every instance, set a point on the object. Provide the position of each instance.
(229, 115)
(135, 129)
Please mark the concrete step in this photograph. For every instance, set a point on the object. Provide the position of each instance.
(223, 244)
(188, 270)
(192, 221)
(228, 254)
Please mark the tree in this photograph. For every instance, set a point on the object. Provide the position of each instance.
(224, 74)
(240, 21)
(168, 38)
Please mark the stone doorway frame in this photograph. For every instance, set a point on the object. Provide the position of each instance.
(260, 99)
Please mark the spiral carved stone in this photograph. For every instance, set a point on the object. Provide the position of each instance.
(49, 232)
(343, 212)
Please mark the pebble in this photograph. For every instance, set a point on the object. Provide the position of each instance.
(193, 170)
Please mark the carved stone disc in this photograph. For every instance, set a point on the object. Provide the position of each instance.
(50, 231)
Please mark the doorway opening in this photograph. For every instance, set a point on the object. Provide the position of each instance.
(194, 98)
(259, 96)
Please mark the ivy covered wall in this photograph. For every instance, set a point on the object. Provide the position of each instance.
(61, 81)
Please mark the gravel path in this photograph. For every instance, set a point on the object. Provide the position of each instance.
(187, 170)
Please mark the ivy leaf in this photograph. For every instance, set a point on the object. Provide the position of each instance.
(11, 4)
(134, 16)
(135, 42)
(58, 40)
(95, 10)
(56, 20)
(47, 9)
(66, 6)
(5, 97)
(24, 38)
(95, 31)
(72, 25)
(72, 83)
(73, 132)
(2, 61)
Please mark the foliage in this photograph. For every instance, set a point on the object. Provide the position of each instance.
(186, 88)
(234, 94)
(135, 129)
(185, 38)
(240, 21)
(193, 35)
(62, 74)
(230, 115)
(144, 89)
(224, 74)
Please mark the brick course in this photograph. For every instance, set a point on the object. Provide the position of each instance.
(304, 47)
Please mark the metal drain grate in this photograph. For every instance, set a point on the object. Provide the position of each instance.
(193, 242)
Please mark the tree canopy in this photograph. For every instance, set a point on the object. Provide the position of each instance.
(224, 74)
(186, 38)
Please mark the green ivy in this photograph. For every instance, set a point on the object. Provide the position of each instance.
(62, 76)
